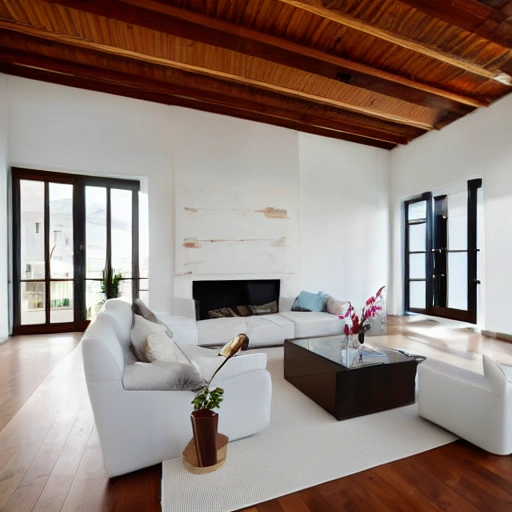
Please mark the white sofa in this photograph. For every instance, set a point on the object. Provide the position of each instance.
(262, 330)
(139, 428)
(476, 407)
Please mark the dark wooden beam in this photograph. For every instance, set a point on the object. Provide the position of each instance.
(189, 25)
(101, 86)
(323, 9)
(403, 116)
(470, 15)
(93, 64)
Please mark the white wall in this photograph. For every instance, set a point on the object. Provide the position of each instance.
(228, 154)
(65, 129)
(479, 145)
(4, 303)
(344, 221)
(341, 188)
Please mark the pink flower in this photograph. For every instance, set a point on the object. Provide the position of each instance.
(352, 323)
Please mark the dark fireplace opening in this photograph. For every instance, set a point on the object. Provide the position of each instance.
(210, 295)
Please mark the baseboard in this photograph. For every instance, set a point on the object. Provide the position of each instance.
(497, 335)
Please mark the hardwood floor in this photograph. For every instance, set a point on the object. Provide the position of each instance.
(50, 459)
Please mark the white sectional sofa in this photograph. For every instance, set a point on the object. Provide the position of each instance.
(140, 424)
(262, 330)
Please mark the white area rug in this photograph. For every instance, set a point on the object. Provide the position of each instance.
(303, 446)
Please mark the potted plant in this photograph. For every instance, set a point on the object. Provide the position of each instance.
(204, 419)
(110, 283)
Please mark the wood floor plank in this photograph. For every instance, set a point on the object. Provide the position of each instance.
(62, 476)
(293, 503)
(32, 484)
(410, 476)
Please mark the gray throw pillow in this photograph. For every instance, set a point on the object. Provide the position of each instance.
(162, 376)
(139, 333)
(139, 308)
(159, 347)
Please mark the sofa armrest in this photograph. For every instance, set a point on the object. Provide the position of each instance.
(449, 377)
(184, 307)
(184, 329)
(238, 365)
(286, 303)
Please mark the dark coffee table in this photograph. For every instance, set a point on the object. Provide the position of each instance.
(314, 366)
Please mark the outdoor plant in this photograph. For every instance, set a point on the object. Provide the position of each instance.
(355, 324)
(115, 280)
(210, 397)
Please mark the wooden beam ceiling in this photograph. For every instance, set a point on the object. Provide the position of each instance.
(332, 13)
(380, 74)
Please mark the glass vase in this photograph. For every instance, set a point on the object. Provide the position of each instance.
(350, 350)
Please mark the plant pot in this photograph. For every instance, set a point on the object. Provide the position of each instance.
(204, 428)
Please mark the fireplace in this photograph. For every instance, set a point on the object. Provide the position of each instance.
(219, 294)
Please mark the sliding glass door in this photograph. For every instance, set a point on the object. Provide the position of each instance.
(75, 239)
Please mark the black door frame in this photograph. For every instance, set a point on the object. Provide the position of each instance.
(79, 183)
(432, 303)
(427, 197)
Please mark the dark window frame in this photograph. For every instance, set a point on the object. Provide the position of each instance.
(79, 183)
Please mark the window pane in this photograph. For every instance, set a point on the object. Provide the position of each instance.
(61, 302)
(121, 207)
(458, 280)
(417, 266)
(125, 290)
(94, 298)
(33, 303)
(458, 221)
(61, 230)
(95, 231)
(32, 230)
(144, 296)
(417, 294)
(417, 237)
(417, 211)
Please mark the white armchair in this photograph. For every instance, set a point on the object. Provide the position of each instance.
(476, 407)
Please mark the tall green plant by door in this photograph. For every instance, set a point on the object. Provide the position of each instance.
(115, 280)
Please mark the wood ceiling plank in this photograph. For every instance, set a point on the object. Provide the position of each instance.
(470, 15)
(96, 85)
(317, 7)
(89, 63)
(179, 22)
(362, 107)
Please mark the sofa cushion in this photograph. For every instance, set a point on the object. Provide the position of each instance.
(307, 301)
(162, 376)
(159, 347)
(269, 330)
(141, 329)
(218, 331)
(314, 324)
(184, 328)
